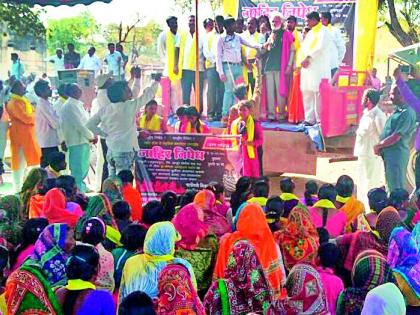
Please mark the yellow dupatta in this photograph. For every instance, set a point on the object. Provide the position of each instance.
(324, 203)
(288, 197)
(153, 124)
(170, 53)
(28, 106)
(79, 284)
(250, 132)
(315, 30)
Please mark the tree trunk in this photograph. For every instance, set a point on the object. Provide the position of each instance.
(395, 27)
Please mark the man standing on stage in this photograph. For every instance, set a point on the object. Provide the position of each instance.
(216, 88)
(115, 62)
(395, 143)
(166, 49)
(71, 58)
(250, 54)
(338, 47)
(315, 66)
(229, 62)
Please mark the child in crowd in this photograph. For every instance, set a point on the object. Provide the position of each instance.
(122, 214)
(131, 195)
(260, 193)
(183, 124)
(132, 239)
(222, 206)
(329, 256)
(136, 303)
(311, 193)
(378, 200)
(56, 164)
(93, 233)
(273, 212)
(197, 126)
(287, 187)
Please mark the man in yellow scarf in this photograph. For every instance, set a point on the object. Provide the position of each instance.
(22, 135)
(315, 66)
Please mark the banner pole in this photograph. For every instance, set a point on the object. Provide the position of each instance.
(197, 62)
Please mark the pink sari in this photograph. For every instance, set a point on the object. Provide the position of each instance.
(22, 256)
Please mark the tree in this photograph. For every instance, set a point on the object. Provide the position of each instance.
(187, 5)
(403, 21)
(120, 33)
(21, 19)
(79, 30)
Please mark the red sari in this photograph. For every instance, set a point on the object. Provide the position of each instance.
(295, 102)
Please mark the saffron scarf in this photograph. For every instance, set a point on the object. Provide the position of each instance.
(28, 106)
(252, 226)
(250, 133)
(404, 258)
(352, 208)
(170, 55)
(152, 125)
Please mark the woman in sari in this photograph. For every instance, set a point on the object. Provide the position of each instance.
(141, 272)
(33, 182)
(98, 206)
(384, 299)
(299, 240)
(55, 209)
(11, 221)
(196, 245)
(29, 290)
(404, 259)
(111, 188)
(80, 296)
(176, 292)
(305, 293)
(369, 271)
(251, 225)
(216, 223)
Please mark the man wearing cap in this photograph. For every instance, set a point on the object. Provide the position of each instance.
(278, 66)
(370, 167)
(91, 62)
(216, 88)
(166, 49)
(229, 62)
(315, 66)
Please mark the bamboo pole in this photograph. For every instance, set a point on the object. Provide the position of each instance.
(197, 62)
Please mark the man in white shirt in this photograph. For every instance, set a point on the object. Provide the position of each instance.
(338, 47)
(91, 62)
(76, 136)
(57, 60)
(186, 48)
(116, 123)
(114, 62)
(370, 166)
(216, 88)
(315, 49)
(46, 122)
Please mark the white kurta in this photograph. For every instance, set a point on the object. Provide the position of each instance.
(319, 66)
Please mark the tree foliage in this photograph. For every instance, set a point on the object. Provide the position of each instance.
(188, 5)
(402, 17)
(79, 30)
(21, 19)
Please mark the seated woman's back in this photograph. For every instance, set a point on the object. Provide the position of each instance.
(334, 221)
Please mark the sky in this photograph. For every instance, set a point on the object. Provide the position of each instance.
(125, 10)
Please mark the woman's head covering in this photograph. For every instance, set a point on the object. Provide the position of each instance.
(98, 206)
(205, 199)
(111, 188)
(369, 271)
(305, 291)
(404, 258)
(10, 219)
(177, 293)
(49, 253)
(189, 222)
(384, 299)
(387, 221)
(29, 187)
(252, 226)
(55, 211)
(299, 241)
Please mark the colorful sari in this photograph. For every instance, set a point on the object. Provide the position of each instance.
(352, 208)
(176, 292)
(104, 279)
(299, 240)
(141, 272)
(404, 259)
(98, 206)
(111, 188)
(305, 292)
(295, 101)
(217, 224)
(369, 271)
(10, 219)
(252, 226)
(384, 299)
(387, 221)
(55, 211)
(29, 289)
(243, 288)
